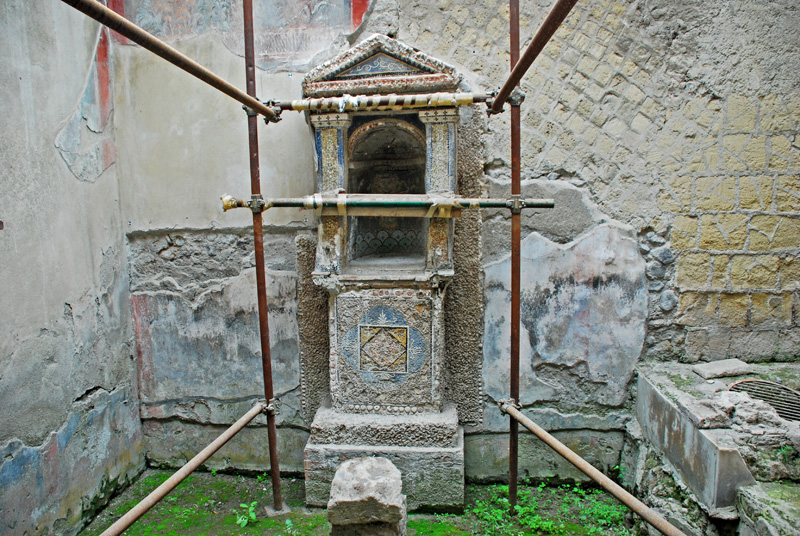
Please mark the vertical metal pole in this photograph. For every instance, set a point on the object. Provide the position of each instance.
(513, 441)
(558, 13)
(258, 236)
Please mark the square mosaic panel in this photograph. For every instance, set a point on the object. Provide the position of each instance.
(386, 353)
(383, 348)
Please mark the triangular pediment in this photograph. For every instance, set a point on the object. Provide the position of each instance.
(380, 65)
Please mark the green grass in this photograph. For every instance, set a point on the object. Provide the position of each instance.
(218, 504)
(434, 527)
(566, 509)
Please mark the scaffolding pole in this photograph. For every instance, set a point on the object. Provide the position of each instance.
(641, 509)
(258, 238)
(180, 475)
(516, 231)
(429, 205)
(557, 14)
(357, 103)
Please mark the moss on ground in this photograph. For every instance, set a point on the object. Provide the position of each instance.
(224, 504)
(788, 495)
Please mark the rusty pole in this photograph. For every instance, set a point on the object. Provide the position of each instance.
(180, 475)
(513, 440)
(557, 14)
(641, 509)
(126, 28)
(258, 237)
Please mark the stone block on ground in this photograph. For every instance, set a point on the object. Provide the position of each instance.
(723, 368)
(367, 498)
(706, 458)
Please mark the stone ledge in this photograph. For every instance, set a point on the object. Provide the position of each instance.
(722, 369)
(418, 430)
(707, 459)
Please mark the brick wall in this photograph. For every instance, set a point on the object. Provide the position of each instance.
(736, 231)
(678, 119)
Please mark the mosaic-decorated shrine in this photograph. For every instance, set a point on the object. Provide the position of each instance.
(386, 272)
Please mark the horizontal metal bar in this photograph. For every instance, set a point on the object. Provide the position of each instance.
(124, 27)
(644, 511)
(344, 201)
(172, 482)
(381, 102)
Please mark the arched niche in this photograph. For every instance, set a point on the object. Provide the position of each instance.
(386, 156)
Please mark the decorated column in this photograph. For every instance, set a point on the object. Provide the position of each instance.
(330, 133)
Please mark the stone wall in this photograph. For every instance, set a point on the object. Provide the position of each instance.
(736, 234)
(198, 350)
(640, 105)
(70, 433)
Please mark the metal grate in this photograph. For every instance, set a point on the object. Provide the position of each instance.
(785, 401)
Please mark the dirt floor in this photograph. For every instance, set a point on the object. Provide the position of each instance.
(224, 504)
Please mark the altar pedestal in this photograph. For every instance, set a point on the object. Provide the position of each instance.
(386, 274)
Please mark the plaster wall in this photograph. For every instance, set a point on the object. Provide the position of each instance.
(69, 428)
(617, 110)
(192, 266)
(184, 143)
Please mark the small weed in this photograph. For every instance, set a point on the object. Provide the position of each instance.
(547, 509)
(248, 515)
(289, 528)
(435, 527)
(618, 473)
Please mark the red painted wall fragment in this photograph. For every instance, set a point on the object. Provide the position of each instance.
(359, 7)
(103, 78)
(118, 7)
(144, 344)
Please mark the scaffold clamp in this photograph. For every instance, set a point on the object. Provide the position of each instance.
(273, 407)
(256, 203)
(503, 402)
(517, 97)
